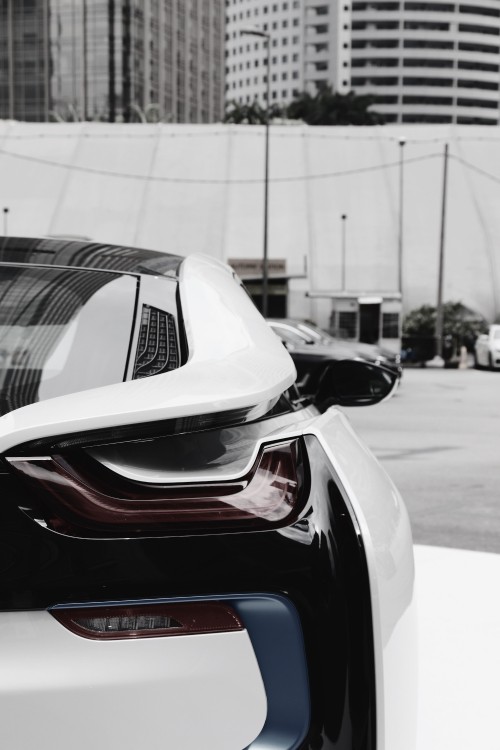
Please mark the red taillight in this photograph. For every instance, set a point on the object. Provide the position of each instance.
(149, 620)
(80, 498)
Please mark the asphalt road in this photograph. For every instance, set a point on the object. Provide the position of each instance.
(439, 439)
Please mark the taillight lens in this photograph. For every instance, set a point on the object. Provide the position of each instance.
(78, 497)
(148, 620)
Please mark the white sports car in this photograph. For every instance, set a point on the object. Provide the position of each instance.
(192, 554)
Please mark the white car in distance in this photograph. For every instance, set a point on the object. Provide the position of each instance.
(487, 349)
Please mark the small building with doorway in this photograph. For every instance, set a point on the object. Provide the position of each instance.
(250, 272)
(373, 318)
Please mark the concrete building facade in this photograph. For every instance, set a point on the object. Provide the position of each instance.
(428, 61)
(199, 188)
(308, 42)
(115, 60)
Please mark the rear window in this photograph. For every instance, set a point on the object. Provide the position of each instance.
(61, 331)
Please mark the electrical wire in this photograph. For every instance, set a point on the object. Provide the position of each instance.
(214, 181)
(475, 168)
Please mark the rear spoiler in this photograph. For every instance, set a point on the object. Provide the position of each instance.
(235, 363)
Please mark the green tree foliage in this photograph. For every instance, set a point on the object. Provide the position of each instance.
(460, 322)
(323, 108)
(327, 107)
(250, 114)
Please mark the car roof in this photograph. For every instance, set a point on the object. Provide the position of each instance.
(75, 254)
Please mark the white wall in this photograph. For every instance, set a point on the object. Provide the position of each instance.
(188, 189)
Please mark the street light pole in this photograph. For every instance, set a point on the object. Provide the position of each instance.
(402, 142)
(439, 309)
(344, 219)
(5, 217)
(265, 263)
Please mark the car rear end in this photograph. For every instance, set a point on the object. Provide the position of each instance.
(192, 556)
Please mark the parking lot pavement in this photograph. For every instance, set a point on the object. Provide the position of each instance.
(439, 439)
(459, 649)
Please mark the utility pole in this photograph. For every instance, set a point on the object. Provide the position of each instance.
(402, 142)
(5, 221)
(265, 255)
(439, 309)
(342, 270)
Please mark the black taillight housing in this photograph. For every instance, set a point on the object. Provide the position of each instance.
(75, 495)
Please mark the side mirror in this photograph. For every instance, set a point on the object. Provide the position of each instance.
(353, 382)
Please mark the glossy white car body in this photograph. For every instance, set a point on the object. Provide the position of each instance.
(59, 689)
(487, 348)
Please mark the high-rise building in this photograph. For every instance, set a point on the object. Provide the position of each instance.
(429, 61)
(112, 60)
(309, 47)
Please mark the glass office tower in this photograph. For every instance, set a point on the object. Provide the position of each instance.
(122, 60)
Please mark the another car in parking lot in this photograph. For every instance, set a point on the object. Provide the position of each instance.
(487, 348)
(192, 555)
(310, 347)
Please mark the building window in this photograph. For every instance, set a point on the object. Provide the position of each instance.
(390, 325)
(480, 11)
(347, 324)
(485, 103)
(437, 7)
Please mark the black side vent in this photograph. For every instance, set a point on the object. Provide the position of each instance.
(157, 349)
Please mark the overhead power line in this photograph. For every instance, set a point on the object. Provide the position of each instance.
(475, 168)
(211, 181)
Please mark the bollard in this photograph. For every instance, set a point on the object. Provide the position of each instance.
(464, 360)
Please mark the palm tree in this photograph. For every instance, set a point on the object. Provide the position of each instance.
(250, 114)
(326, 107)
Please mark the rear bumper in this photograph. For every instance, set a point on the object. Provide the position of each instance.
(343, 573)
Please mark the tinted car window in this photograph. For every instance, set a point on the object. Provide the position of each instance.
(61, 331)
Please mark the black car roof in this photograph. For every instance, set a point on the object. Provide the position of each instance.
(79, 254)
